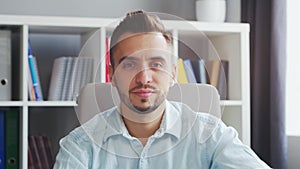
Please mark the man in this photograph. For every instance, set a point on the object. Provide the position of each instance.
(145, 130)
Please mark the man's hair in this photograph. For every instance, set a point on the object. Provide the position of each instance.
(137, 22)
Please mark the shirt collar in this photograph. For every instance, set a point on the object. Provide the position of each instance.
(115, 125)
(171, 123)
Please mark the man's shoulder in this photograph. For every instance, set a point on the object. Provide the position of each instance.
(202, 124)
(92, 129)
(186, 112)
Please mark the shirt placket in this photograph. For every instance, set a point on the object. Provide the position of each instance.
(144, 156)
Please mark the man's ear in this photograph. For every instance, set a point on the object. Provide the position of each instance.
(111, 74)
(174, 74)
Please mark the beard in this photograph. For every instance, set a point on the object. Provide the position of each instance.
(154, 103)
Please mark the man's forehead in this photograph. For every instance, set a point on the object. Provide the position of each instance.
(148, 52)
(130, 35)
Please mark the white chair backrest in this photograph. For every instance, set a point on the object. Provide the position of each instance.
(97, 97)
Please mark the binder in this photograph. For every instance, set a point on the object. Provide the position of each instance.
(2, 140)
(5, 65)
(11, 139)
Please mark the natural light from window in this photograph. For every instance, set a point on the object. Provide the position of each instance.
(293, 69)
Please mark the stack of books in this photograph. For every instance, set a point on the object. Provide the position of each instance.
(214, 72)
(69, 75)
(40, 153)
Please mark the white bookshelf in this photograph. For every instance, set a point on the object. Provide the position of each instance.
(231, 41)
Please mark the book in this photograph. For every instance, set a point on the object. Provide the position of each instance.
(49, 150)
(213, 68)
(223, 80)
(182, 78)
(77, 77)
(11, 139)
(2, 139)
(88, 66)
(66, 82)
(33, 70)
(42, 152)
(38, 79)
(107, 59)
(187, 63)
(71, 81)
(31, 92)
(57, 78)
(87, 69)
(32, 145)
(199, 70)
(30, 159)
(203, 72)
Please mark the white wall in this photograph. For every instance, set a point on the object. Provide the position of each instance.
(293, 152)
(293, 83)
(96, 8)
(293, 68)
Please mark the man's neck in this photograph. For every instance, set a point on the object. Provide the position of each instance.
(142, 131)
(143, 126)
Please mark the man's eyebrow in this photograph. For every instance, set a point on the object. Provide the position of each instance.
(160, 58)
(127, 58)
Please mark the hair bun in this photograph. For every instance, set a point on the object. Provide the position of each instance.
(135, 12)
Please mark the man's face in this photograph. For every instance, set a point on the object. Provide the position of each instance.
(143, 71)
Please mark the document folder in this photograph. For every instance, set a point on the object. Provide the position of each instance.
(5, 65)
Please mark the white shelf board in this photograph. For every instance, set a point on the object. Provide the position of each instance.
(11, 103)
(231, 103)
(207, 26)
(55, 21)
(51, 103)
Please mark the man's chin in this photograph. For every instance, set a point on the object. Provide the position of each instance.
(143, 110)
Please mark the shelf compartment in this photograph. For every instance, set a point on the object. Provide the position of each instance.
(51, 42)
(55, 122)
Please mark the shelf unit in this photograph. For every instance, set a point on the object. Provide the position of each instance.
(52, 37)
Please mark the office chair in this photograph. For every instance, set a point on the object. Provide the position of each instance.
(98, 97)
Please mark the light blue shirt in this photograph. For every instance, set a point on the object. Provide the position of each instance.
(185, 140)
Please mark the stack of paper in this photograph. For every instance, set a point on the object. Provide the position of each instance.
(69, 74)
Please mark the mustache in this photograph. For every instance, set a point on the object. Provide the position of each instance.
(143, 86)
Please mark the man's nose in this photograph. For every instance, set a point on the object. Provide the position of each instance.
(144, 76)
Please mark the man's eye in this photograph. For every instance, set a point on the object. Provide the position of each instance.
(127, 65)
(156, 65)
